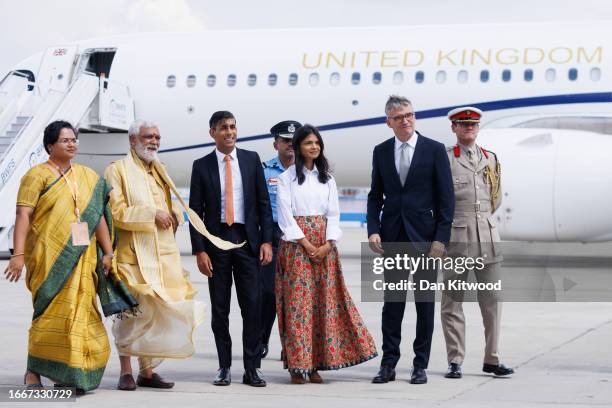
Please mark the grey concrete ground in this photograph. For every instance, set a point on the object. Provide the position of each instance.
(560, 351)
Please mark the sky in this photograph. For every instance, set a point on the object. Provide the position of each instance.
(30, 26)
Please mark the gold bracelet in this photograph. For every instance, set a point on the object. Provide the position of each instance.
(16, 255)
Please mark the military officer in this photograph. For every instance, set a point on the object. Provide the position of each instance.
(283, 135)
(476, 178)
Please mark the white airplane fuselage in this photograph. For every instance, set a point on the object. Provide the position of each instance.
(344, 77)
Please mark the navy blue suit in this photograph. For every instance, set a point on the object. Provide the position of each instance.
(242, 263)
(420, 211)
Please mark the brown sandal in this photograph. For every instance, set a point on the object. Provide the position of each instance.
(315, 377)
(297, 378)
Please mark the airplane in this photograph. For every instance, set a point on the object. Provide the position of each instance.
(544, 88)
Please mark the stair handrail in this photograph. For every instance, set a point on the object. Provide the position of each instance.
(18, 135)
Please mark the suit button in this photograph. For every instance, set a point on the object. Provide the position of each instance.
(477, 187)
(484, 255)
(477, 215)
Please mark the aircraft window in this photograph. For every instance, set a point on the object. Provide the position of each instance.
(572, 74)
(171, 81)
(334, 79)
(272, 79)
(398, 77)
(419, 77)
(211, 80)
(293, 79)
(595, 74)
(484, 75)
(231, 80)
(313, 80)
(528, 75)
(191, 81)
(251, 79)
(441, 77)
(355, 78)
(462, 76)
(376, 78)
(551, 74)
(506, 75)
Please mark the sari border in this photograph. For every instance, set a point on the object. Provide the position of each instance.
(47, 188)
(66, 375)
(70, 255)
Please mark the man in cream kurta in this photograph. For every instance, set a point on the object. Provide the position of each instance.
(148, 261)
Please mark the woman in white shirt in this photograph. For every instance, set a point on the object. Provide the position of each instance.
(319, 325)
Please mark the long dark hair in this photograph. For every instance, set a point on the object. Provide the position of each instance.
(320, 162)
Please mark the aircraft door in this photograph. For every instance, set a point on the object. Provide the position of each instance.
(56, 69)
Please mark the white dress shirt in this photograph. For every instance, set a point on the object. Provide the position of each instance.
(236, 184)
(398, 149)
(310, 198)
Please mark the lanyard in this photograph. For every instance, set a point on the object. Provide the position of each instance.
(74, 193)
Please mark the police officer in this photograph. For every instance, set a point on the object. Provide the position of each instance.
(283, 135)
(476, 178)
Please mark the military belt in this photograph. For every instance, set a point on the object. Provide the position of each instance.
(478, 206)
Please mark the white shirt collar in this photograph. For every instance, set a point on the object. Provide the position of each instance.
(411, 142)
(221, 156)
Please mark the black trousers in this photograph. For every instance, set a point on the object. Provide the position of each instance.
(242, 266)
(393, 314)
(268, 298)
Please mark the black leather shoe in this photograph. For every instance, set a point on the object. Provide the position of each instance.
(223, 377)
(454, 371)
(253, 378)
(499, 370)
(385, 374)
(264, 350)
(418, 376)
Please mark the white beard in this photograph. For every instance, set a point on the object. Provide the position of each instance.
(145, 154)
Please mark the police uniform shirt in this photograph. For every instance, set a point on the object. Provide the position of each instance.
(272, 169)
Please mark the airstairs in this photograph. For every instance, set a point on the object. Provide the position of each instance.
(88, 102)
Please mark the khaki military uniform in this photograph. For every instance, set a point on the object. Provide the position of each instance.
(474, 233)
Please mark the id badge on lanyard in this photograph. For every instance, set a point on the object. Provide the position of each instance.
(79, 230)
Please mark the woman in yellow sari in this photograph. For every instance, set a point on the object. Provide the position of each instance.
(60, 218)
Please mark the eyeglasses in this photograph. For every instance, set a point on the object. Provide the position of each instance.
(67, 141)
(406, 116)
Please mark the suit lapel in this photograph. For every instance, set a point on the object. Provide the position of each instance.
(389, 159)
(244, 168)
(416, 157)
(213, 172)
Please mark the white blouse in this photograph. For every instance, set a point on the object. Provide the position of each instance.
(310, 198)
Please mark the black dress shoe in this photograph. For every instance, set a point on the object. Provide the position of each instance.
(454, 371)
(223, 377)
(154, 382)
(385, 374)
(418, 376)
(499, 370)
(253, 378)
(264, 350)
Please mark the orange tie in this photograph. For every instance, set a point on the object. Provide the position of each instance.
(229, 191)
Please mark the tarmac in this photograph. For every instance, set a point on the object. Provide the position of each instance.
(558, 350)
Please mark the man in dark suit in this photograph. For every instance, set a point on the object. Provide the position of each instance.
(412, 187)
(229, 191)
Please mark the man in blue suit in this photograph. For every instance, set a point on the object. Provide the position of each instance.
(412, 187)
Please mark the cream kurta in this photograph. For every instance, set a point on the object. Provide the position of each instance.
(169, 314)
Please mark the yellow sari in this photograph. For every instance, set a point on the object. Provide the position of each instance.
(67, 340)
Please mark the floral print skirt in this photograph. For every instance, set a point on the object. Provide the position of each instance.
(319, 325)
